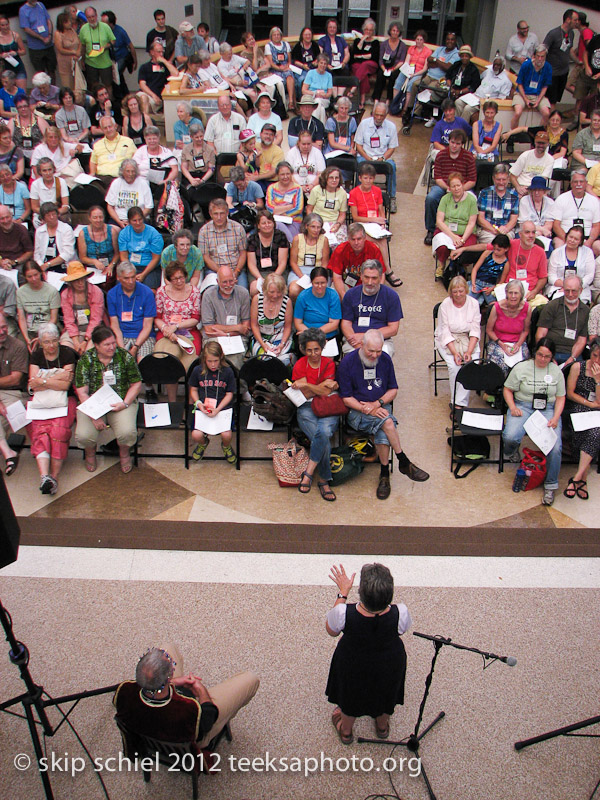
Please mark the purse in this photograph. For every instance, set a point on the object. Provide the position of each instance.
(534, 462)
(48, 398)
(329, 405)
(289, 462)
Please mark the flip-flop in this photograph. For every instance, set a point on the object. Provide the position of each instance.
(382, 733)
(11, 464)
(91, 466)
(126, 465)
(571, 489)
(336, 719)
(582, 492)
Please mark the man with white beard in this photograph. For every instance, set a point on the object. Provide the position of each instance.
(371, 304)
(367, 384)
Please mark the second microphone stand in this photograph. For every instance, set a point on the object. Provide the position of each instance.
(412, 742)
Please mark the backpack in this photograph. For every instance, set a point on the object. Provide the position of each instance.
(269, 401)
(346, 462)
(471, 450)
(453, 268)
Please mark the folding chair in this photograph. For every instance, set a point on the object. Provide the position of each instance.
(438, 361)
(349, 82)
(223, 163)
(348, 164)
(486, 377)
(382, 168)
(199, 198)
(164, 368)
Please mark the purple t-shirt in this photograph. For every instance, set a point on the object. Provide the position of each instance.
(381, 309)
(443, 129)
(354, 379)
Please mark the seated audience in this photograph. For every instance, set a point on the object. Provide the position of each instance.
(44, 96)
(13, 48)
(10, 155)
(449, 122)
(140, 245)
(582, 396)
(340, 128)
(376, 140)
(564, 321)
(109, 152)
(248, 154)
(537, 384)
(187, 44)
(222, 242)
(226, 312)
(131, 310)
(54, 242)
(306, 161)
(348, 257)
(307, 121)
(9, 93)
(183, 252)
(153, 77)
(37, 302)
(577, 207)
(203, 31)
(318, 306)
(537, 207)
(314, 376)
(310, 249)
(463, 78)
(364, 58)
(527, 262)
(533, 82)
(268, 251)
(234, 69)
(366, 205)
(495, 82)
(14, 194)
(586, 145)
(304, 56)
(498, 207)
(457, 335)
(278, 56)
(392, 55)
(128, 190)
(71, 120)
(181, 129)
(51, 367)
(243, 192)
(370, 305)
(368, 386)
(98, 244)
(488, 269)
(62, 154)
(335, 48)
(573, 258)
(223, 128)
(285, 198)
(197, 158)
(254, 54)
(26, 128)
(82, 305)
(156, 164)
(108, 358)
(508, 326)
(193, 81)
(558, 137)
(329, 200)
(456, 217)
(318, 85)
(439, 62)
(269, 156)
(531, 163)
(417, 57)
(14, 367)
(264, 115)
(102, 106)
(15, 242)
(487, 133)
(271, 319)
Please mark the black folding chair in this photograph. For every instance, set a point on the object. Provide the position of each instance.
(438, 362)
(199, 198)
(223, 163)
(347, 164)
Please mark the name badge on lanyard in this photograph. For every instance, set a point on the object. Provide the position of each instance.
(566, 44)
(364, 322)
(370, 374)
(570, 333)
(533, 84)
(231, 319)
(540, 401)
(222, 249)
(109, 378)
(521, 274)
(375, 141)
(498, 213)
(330, 204)
(350, 280)
(82, 316)
(127, 316)
(310, 259)
(198, 162)
(72, 127)
(265, 263)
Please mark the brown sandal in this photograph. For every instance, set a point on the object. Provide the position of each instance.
(336, 719)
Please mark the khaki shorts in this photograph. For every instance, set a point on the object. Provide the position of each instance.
(154, 106)
(518, 101)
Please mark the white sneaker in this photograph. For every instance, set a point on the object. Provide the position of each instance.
(430, 123)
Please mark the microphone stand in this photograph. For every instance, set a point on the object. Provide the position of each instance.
(32, 700)
(412, 742)
(564, 731)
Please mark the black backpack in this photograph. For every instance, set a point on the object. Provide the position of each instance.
(269, 402)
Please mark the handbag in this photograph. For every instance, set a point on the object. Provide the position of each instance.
(329, 405)
(48, 398)
(470, 450)
(534, 462)
(289, 462)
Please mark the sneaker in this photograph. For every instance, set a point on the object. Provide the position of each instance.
(548, 497)
(54, 487)
(151, 396)
(45, 484)
(200, 449)
(413, 472)
(428, 239)
(430, 123)
(439, 272)
(393, 205)
(230, 456)
(383, 488)
(515, 458)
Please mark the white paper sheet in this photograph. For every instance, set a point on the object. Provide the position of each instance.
(187, 345)
(213, 425)
(98, 277)
(271, 80)
(331, 349)
(210, 279)
(297, 70)
(85, 148)
(500, 290)
(335, 153)
(584, 420)
(510, 361)
(239, 94)
(540, 434)
(16, 415)
(442, 240)
(471, 99)
(304, 282)
(55, 279)
(424, 96)
(296, 396)
(589, 162)
(231, 345)
(545, 241)
(281, 218)
(491, 422)
(100, 403)
(156, 415)
(258, 423)
(377, 231)
(83, 179)
(46, 413)
(211, 91)
(11, 274)
(408, 70)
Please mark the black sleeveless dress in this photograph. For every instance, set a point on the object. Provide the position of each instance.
(368, 668)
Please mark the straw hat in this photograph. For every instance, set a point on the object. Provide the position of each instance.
(76, 270)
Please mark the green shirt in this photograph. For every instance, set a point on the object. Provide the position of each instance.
(525, 379)
(94, 39)
(90, 371)
(458, 213)
(194, 261)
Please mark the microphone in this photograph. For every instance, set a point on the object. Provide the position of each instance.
(510, 660)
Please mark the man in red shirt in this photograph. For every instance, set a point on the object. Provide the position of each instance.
(453, 158)
(348, 257)
(526, 261)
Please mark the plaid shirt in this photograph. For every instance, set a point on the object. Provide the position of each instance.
(224, 247)
(90, 371)
(489, 201)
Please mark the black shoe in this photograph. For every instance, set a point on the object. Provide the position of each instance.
(151, 396)
(384, 488)
(413, 472)
(510, 146)
(428, 239)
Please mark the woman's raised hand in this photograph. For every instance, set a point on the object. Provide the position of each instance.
(341, 580)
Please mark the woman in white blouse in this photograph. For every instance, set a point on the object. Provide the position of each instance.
(457, 334)
(572, 258)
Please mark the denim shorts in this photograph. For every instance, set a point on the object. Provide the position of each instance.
(369, 424)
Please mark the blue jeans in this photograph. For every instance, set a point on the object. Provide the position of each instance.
(432, 202)
(319, 430)
(391, 188)
(298, 81)
(514, 431)
(242, 278)
(480, 296)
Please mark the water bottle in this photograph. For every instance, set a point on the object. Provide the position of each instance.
(520, 480)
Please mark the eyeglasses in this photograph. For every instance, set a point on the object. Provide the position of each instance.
(524, 29)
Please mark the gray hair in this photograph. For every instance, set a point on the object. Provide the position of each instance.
(154, 670)
(151, 130)
(376, 587)
(579, 171)
(371, 263)
(311, 335)
(182, 234)
(380, 103)
(368, 21)
(501, 59)
(595, 344)
(272, 31)
(48, 329)
(8, 73)
(343, 101)
(196, 127)
(541, 48)
(354, 228)
(501, 169)
(5, 168)
(237, 174)
(573, 276)
(185, 105)
(125, 268)
(129, 162)
(225, 48)
(373, 334)
(47, 208)
(515, 284)
(308, 219)
(44, 161)
(41, 79)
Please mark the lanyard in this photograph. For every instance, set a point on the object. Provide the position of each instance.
(545, 386)
(580, 202)
(132, 299)
(217, 387)
(518, 255)
(260, 244)
(565, 314)
(374, 301)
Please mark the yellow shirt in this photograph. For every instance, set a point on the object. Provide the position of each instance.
(108, 156)
(269, 157)
(593, 178)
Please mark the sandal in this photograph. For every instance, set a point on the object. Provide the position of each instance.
(393, 279)
(91, 465)
(126, 465)
(304, 488)
(382, 733)
(11, 464)
(571, 489)
(582, 492)
(336, 719)
(326, 492)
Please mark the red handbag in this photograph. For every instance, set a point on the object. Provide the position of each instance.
(329, 405)
(534, 462)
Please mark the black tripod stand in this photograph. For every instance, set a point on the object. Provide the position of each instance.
(412, 742)
(33, 699)
(567, 730)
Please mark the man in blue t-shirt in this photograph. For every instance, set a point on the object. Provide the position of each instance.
(533, 81)
(448, 123)
(131, 308)
(368, 386)
(370, 305)
(36, 22)
(125, 55)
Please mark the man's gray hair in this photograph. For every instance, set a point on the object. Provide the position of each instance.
(501, 169)
(579, 171)
(225, 48)
(541, 48)
(129, 162)
(380, 103)
(373, 335)
(154, 670)
(371, 263)
(48, 329)
(573, 276)
(354, 228)
(125, 268)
